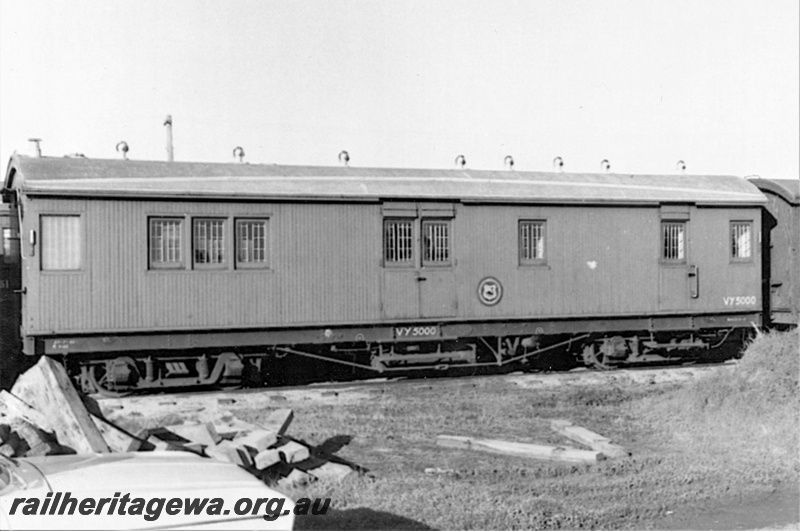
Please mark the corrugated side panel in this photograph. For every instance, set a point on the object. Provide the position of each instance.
(599, 261)
(328, 269)
(323, 269)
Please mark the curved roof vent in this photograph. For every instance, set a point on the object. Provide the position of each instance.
(508, 162)
(460, 161)
(605, 165)
(681, 166)
(122, 147)
(238, 152)
(344, 158)
(558, 162)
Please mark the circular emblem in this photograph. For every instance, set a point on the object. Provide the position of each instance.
(490, 291)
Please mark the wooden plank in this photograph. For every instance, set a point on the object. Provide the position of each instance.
(593, 440)
(47, 389)
(526, 450)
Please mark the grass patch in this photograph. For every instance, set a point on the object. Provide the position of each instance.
(745, 420)
(728, 436)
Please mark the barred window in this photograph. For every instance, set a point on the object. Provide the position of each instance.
(398, 242)
(62, 243)
(673, 241)
(209, 242)
(741, 240)
(251, 243)
(435, 242)
(166, 243)
(531, 242)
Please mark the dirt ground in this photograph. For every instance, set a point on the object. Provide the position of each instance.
(389, 427)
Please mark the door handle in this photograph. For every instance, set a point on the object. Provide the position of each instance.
(422, 279)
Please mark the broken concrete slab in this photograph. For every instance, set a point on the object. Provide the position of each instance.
(47, 389)
(297, 478)
(17, 409)
(257, 440)
(118, 440)
(228, 451)
(204, 433)
(526, 450)
(278, 421)
(294, 452)
(331, 472)
(267, 458)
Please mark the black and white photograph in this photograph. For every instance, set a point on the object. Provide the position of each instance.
(400, 264)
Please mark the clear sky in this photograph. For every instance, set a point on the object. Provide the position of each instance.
(399, 83)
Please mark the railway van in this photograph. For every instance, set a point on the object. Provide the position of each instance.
(145, 275)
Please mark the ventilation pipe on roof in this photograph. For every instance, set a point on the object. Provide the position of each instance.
(168, 123)
(122, 147)
(558, 162)
(37, 141)
(508, 162)
(681, 166)
(238, 152)
(460, 161)
(344, 158)
(605, 165)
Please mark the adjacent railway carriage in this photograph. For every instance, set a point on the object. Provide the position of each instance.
(157, 274)
(782, 238)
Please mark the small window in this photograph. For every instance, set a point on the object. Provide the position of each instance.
(531, 242)
(673, 236)
(251, 243)
(62, 243)
(398, 242)
(209, 243)
(166, 243)
(741, 241)
(435, 243)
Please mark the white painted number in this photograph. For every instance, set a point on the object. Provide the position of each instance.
(739, 301)
(416, 331)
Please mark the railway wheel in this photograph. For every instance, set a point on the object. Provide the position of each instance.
(113, 378)
(597, 360)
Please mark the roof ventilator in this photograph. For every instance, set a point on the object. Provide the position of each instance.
(508, 162)
(681, 166)
(122, 147)
(605, 165)
(558, 162)
(344, 158)
(238, 152)
(460, 161)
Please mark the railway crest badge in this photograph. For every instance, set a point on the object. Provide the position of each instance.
(490, 291)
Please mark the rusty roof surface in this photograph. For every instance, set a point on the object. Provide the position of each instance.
(788, 189)
(82, 177)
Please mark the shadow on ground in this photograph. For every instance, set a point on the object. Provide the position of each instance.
(361, 518)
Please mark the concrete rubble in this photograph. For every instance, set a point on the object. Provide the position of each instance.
(43, 414)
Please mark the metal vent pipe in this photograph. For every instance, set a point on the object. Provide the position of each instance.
(681, 166)
(37, 142)
(238, 152)
(558, 162)
(170, 152)
(605, 165)
(344, 158)
(460, 161)
(508, 162)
